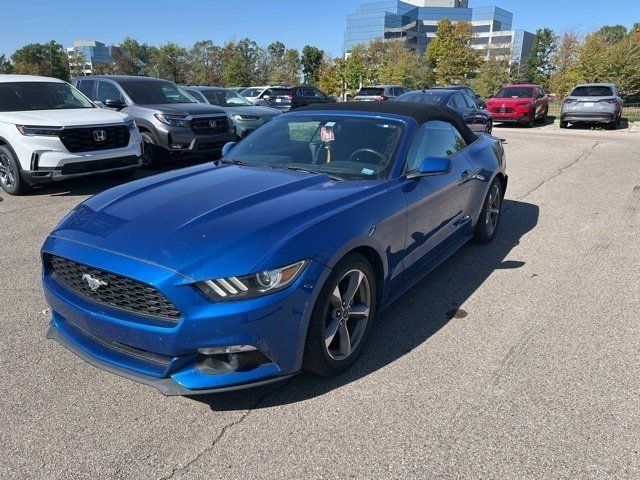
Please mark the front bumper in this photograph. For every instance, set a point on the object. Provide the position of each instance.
(517, 117)
(165, 355)
(182, 139)
(81, 169)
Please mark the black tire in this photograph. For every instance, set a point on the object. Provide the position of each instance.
(612, 125)
(11, 179)
(532, 120)
(489, 127)
(564, 124)
(320, 358)
(489, 219)
(152, 154)
(543, 119)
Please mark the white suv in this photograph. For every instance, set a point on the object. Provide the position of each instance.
(50, 131)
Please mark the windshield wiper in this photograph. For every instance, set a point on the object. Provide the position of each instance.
(305, 170)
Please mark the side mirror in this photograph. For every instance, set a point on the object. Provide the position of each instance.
(226, 148)
(117, 104)
(481, 103)
(432, 166)
(490, 96)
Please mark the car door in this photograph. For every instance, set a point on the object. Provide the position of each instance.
(437, 206)
(477, 120)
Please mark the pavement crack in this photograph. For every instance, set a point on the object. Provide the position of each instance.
(561, 170)
(225, 429)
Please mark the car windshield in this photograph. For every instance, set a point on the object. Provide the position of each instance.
(343, 147)
(515, 92)
(431, 97)
(155, 92)
(592, 91)
(29, 96)
(251, 92)
(225, 98)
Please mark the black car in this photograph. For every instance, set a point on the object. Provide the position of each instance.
(478, 119)
(171, 122)
(288, 98)
(469, 91)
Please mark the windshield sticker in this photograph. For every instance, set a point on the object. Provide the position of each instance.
(326, 134)
(367, 171)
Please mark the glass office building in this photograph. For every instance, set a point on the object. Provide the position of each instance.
(93, 53)
(415, 22)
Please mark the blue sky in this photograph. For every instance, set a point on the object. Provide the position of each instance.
(294, 22)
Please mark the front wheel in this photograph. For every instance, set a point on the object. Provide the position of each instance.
(532, 120)
(10, 178)
(487, 225)
(341, 318)
(152, 154)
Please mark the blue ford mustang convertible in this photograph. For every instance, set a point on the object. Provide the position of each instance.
(213, 278)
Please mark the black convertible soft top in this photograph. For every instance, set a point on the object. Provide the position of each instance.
(420, 112)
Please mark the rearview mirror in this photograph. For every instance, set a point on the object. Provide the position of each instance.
(226, 148)
(117, 104)
(432, 166)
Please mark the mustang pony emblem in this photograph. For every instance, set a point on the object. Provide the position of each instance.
(94, 283)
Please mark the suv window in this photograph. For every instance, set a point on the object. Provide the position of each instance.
(435, 138)
(370, 92)
(86, 87)
(108, 91)
(594, 91)
(457, 101)
(469, 102)
(308, 92)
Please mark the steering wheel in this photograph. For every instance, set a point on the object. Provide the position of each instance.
(367, 150)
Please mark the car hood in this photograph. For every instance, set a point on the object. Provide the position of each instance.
(63, 118)
(258, 111)
(208, 220)
(508, 102)
(186, 109)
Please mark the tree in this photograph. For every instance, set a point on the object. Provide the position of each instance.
(291, 67)
(133, 58)
(493, 74)
(564, 61)
(200, 60)
(5, 64)
(311, 61)
(240, 62)
(331, 76)
(450, 54)
(356, 68)
(170, 61)
(400, 66)
(539, 65)
(46, 59)
(612, 33)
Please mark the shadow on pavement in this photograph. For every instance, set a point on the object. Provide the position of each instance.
(410, 321)
(92, 185)
(624, 124)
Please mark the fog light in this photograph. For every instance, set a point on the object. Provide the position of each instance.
(228, 349)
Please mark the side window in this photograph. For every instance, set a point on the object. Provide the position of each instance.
(108, 91)
(468, 101)
(435, 138)
(456, 102)
(86, 87)
(308, 92)
(318, 93)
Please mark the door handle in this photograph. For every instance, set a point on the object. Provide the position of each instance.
(471, 175)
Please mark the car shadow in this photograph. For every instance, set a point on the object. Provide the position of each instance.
(539, 123)
(624, 124)
(94, 184)
(407, 323)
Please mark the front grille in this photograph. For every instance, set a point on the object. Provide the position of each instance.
(202, 126)
(116, 291)
(99, 165)
(90, 139)
(503, 110)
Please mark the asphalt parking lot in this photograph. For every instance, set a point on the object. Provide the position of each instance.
(514, 360)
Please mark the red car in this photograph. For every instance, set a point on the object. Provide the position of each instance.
(519, 104)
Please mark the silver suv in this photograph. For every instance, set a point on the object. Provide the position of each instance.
(171, 122)
(592, 102)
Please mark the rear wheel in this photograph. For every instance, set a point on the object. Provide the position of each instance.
(10, 178)
(487, 225)
(543, 119)
(341, 318)
(564, 124)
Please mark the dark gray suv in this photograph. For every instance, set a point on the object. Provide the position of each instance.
(171, 122)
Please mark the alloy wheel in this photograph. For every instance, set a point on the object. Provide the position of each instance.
(492, 210)
(348, 315)
(7, 173)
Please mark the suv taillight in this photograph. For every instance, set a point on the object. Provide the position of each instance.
(569, 100)
(613, 101)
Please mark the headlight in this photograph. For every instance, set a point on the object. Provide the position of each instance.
(237, 116)
(254, 285)
(36, 130)
(131, 124)
(172, 120)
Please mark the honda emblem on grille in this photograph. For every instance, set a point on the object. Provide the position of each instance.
(212, 124)
(99, 135)
(94, 283)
